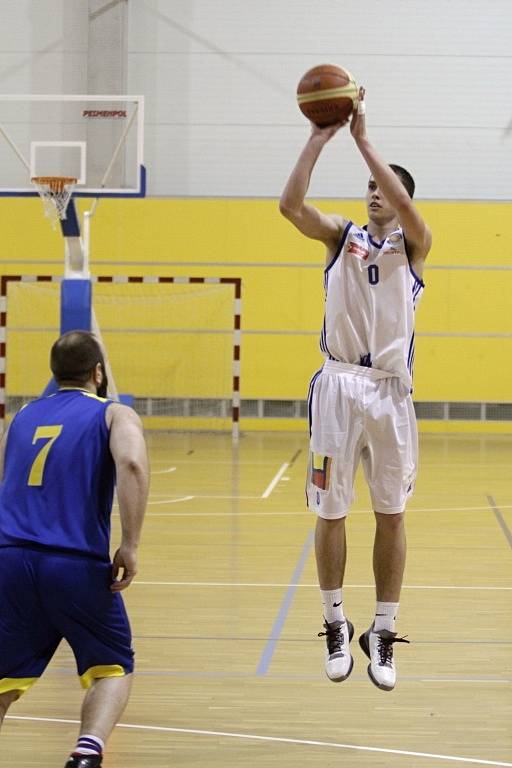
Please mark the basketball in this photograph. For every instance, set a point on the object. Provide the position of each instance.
(326, 94)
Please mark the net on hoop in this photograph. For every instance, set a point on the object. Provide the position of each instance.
(55, 192)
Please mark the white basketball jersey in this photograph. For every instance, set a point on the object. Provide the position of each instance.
(371, 293)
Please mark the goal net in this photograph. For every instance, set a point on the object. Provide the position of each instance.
(173, 345)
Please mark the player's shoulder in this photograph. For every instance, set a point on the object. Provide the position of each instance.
(118, 413)
(32, 408)
(353, 234)
(338, 227)
(82, 401)
(345, 229)
(338, 219)
(356, 230)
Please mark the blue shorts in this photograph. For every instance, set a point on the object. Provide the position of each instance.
(47, 596)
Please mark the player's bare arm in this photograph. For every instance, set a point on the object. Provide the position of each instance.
(129, 452)
(313, 223)
(416, 232)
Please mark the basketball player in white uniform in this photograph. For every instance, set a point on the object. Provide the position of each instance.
(360, 405)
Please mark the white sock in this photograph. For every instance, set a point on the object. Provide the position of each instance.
(385, 616)
(89, 745)
(332, 605)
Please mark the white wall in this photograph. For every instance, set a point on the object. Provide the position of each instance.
(219, 78)
(43, 46)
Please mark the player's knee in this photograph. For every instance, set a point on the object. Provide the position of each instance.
(390, 521)
(330, 524)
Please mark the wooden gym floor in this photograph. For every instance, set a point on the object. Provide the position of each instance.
(225, 614)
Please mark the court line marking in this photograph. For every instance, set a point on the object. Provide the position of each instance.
(356, 678)
(229, 462)
(464, 465)
(171, 501)
(280, 620)
(163, 471)
(462, 680)
(277, 739)
(501, 520)
(175, 499)
(308, 586)
(271, 463)
(270, 487)
(303, 512)
(196, 496)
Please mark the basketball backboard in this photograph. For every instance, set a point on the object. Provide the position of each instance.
(98, 139)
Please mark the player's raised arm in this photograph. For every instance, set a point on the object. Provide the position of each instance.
(129, 452)
(416, 232)
(309, 220)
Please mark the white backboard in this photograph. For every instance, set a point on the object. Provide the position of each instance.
(97, 139)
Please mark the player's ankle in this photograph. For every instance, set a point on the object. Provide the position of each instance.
(385, 616)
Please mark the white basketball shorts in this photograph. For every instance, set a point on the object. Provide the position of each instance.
(359, 413)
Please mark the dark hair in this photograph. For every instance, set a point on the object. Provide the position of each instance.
(74, 356)
(405, 177)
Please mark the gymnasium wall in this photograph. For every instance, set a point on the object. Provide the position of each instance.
(219, 80)
(221, 112)
(464, 349)
(223, 131)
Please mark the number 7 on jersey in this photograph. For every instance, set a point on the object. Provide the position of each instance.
(50, 433)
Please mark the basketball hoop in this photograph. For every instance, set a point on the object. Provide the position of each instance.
(55, 192)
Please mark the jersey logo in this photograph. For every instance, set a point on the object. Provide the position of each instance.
(359, 235)
(395, 238)
(358, 250)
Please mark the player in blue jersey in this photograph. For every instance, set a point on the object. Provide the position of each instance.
(59, 463)
(360, 406)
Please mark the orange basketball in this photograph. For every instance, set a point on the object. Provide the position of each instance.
(327, 94)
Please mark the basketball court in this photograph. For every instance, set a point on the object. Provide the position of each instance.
(225, 610)
(225, 613)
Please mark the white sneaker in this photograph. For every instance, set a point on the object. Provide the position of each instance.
(378, 646)
(338, 659)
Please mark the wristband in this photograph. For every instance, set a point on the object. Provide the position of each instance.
(361, 108)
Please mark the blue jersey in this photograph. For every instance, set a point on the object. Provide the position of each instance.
(59, 476)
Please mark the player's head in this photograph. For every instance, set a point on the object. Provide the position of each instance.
(76, 359)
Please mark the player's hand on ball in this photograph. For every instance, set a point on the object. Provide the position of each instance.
(328, 131)
(358, 122)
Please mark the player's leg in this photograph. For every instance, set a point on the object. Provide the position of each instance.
(389, 553)
(377, 642)
(93, 620)
(390, 468)
(102, 707)
(27, 638)
(329, 493)
(331, 554)
(6, 699)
